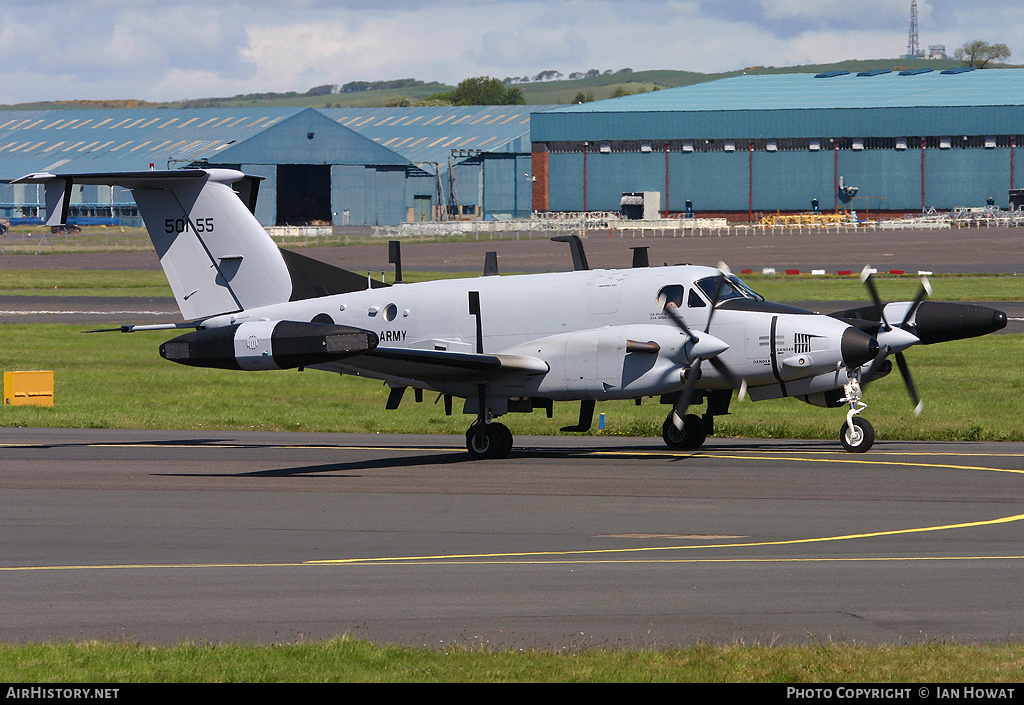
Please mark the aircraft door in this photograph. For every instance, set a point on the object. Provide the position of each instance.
(604, 297)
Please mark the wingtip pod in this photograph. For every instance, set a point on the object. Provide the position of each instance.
(939, 321)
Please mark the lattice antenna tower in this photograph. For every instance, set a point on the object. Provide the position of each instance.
(913, 44)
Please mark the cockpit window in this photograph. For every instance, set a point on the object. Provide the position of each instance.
(742, 286)
(731, 288)
(694, 300)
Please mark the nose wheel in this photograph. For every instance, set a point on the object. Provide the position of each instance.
(486, 441)
(857, 437)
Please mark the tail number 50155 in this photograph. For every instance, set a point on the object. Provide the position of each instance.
(180, 225)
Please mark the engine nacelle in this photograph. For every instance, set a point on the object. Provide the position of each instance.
(268, 345)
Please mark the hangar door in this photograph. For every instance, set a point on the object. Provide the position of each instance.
(303, 194)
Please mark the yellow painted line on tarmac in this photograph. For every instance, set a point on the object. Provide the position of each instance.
(648, 549)
(562, 556)
(798, 459)
(775, 454)
(658, 561)
(504, 559)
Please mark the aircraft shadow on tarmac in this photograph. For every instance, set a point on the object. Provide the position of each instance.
(445, 458)
(592, 453)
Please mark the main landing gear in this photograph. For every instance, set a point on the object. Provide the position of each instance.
(857, 435)
(690, 437)
(486, 441)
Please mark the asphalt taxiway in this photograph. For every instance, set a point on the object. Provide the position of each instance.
(162, 536)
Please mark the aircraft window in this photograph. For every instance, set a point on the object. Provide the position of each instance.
(731, 288)
(694, 300)
(743, 287)
(671, 295)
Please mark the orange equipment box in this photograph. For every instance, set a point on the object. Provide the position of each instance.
(28, 388)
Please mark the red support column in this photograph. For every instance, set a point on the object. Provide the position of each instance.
(922, 176)
(750, 178)
(666, 178)
(1013, 148)
(585, 146)
(835, 175)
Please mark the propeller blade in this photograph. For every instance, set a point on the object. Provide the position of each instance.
(872, 367)
(901, 362)
(719, 285)
(673, 313)
(733, 380)
(865, 276)
(692, 373)
(925, 290)
(724, 370)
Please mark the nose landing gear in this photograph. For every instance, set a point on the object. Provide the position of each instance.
(857, 435)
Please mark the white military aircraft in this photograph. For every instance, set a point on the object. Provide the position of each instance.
(687, 334)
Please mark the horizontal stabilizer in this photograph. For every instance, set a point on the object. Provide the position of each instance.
(216, 255)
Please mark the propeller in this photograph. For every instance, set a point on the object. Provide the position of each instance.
(894, 340)
(704, 346)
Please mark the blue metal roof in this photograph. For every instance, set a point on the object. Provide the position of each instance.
(124, 139)
(429, 134)
(804, 91)
(132, 138)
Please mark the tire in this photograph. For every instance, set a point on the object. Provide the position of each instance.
(690, 437)
(495, 441)
(860, 438)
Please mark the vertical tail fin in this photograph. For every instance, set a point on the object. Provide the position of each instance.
(216, 255)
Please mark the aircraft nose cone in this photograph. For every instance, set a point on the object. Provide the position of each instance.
(998, 321)
(858, 348)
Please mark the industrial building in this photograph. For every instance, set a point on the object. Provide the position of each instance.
(344, 167)
(880, 140)
(885, 140)
(479, 155)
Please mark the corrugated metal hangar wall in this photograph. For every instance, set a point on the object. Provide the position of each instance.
(907, 140)
(347, 167)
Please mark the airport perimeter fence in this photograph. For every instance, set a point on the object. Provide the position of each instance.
(611, 225)
(541, 226)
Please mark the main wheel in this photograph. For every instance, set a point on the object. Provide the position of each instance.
(690, 437)
(859, 438)
(491, 441)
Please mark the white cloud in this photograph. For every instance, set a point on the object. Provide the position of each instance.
(176, 49)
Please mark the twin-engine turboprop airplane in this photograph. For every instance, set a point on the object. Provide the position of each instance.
(687, 334)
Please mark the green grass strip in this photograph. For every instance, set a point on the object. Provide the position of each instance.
(349, 660)
(972, 389)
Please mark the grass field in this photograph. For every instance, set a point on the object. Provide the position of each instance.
(346, 660)
(112, 380)
(119, 381)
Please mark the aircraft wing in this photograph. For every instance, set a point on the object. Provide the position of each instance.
(443, 365)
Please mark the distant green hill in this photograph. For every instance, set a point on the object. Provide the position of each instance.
(536, 92)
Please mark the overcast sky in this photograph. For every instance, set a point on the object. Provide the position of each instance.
(162, 50)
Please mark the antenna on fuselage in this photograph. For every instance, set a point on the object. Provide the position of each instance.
(490, 264)
(395, 258)
(640, 257)
(579, 257)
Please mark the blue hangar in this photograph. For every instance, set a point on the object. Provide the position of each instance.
(358, 166)
(907, 140)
